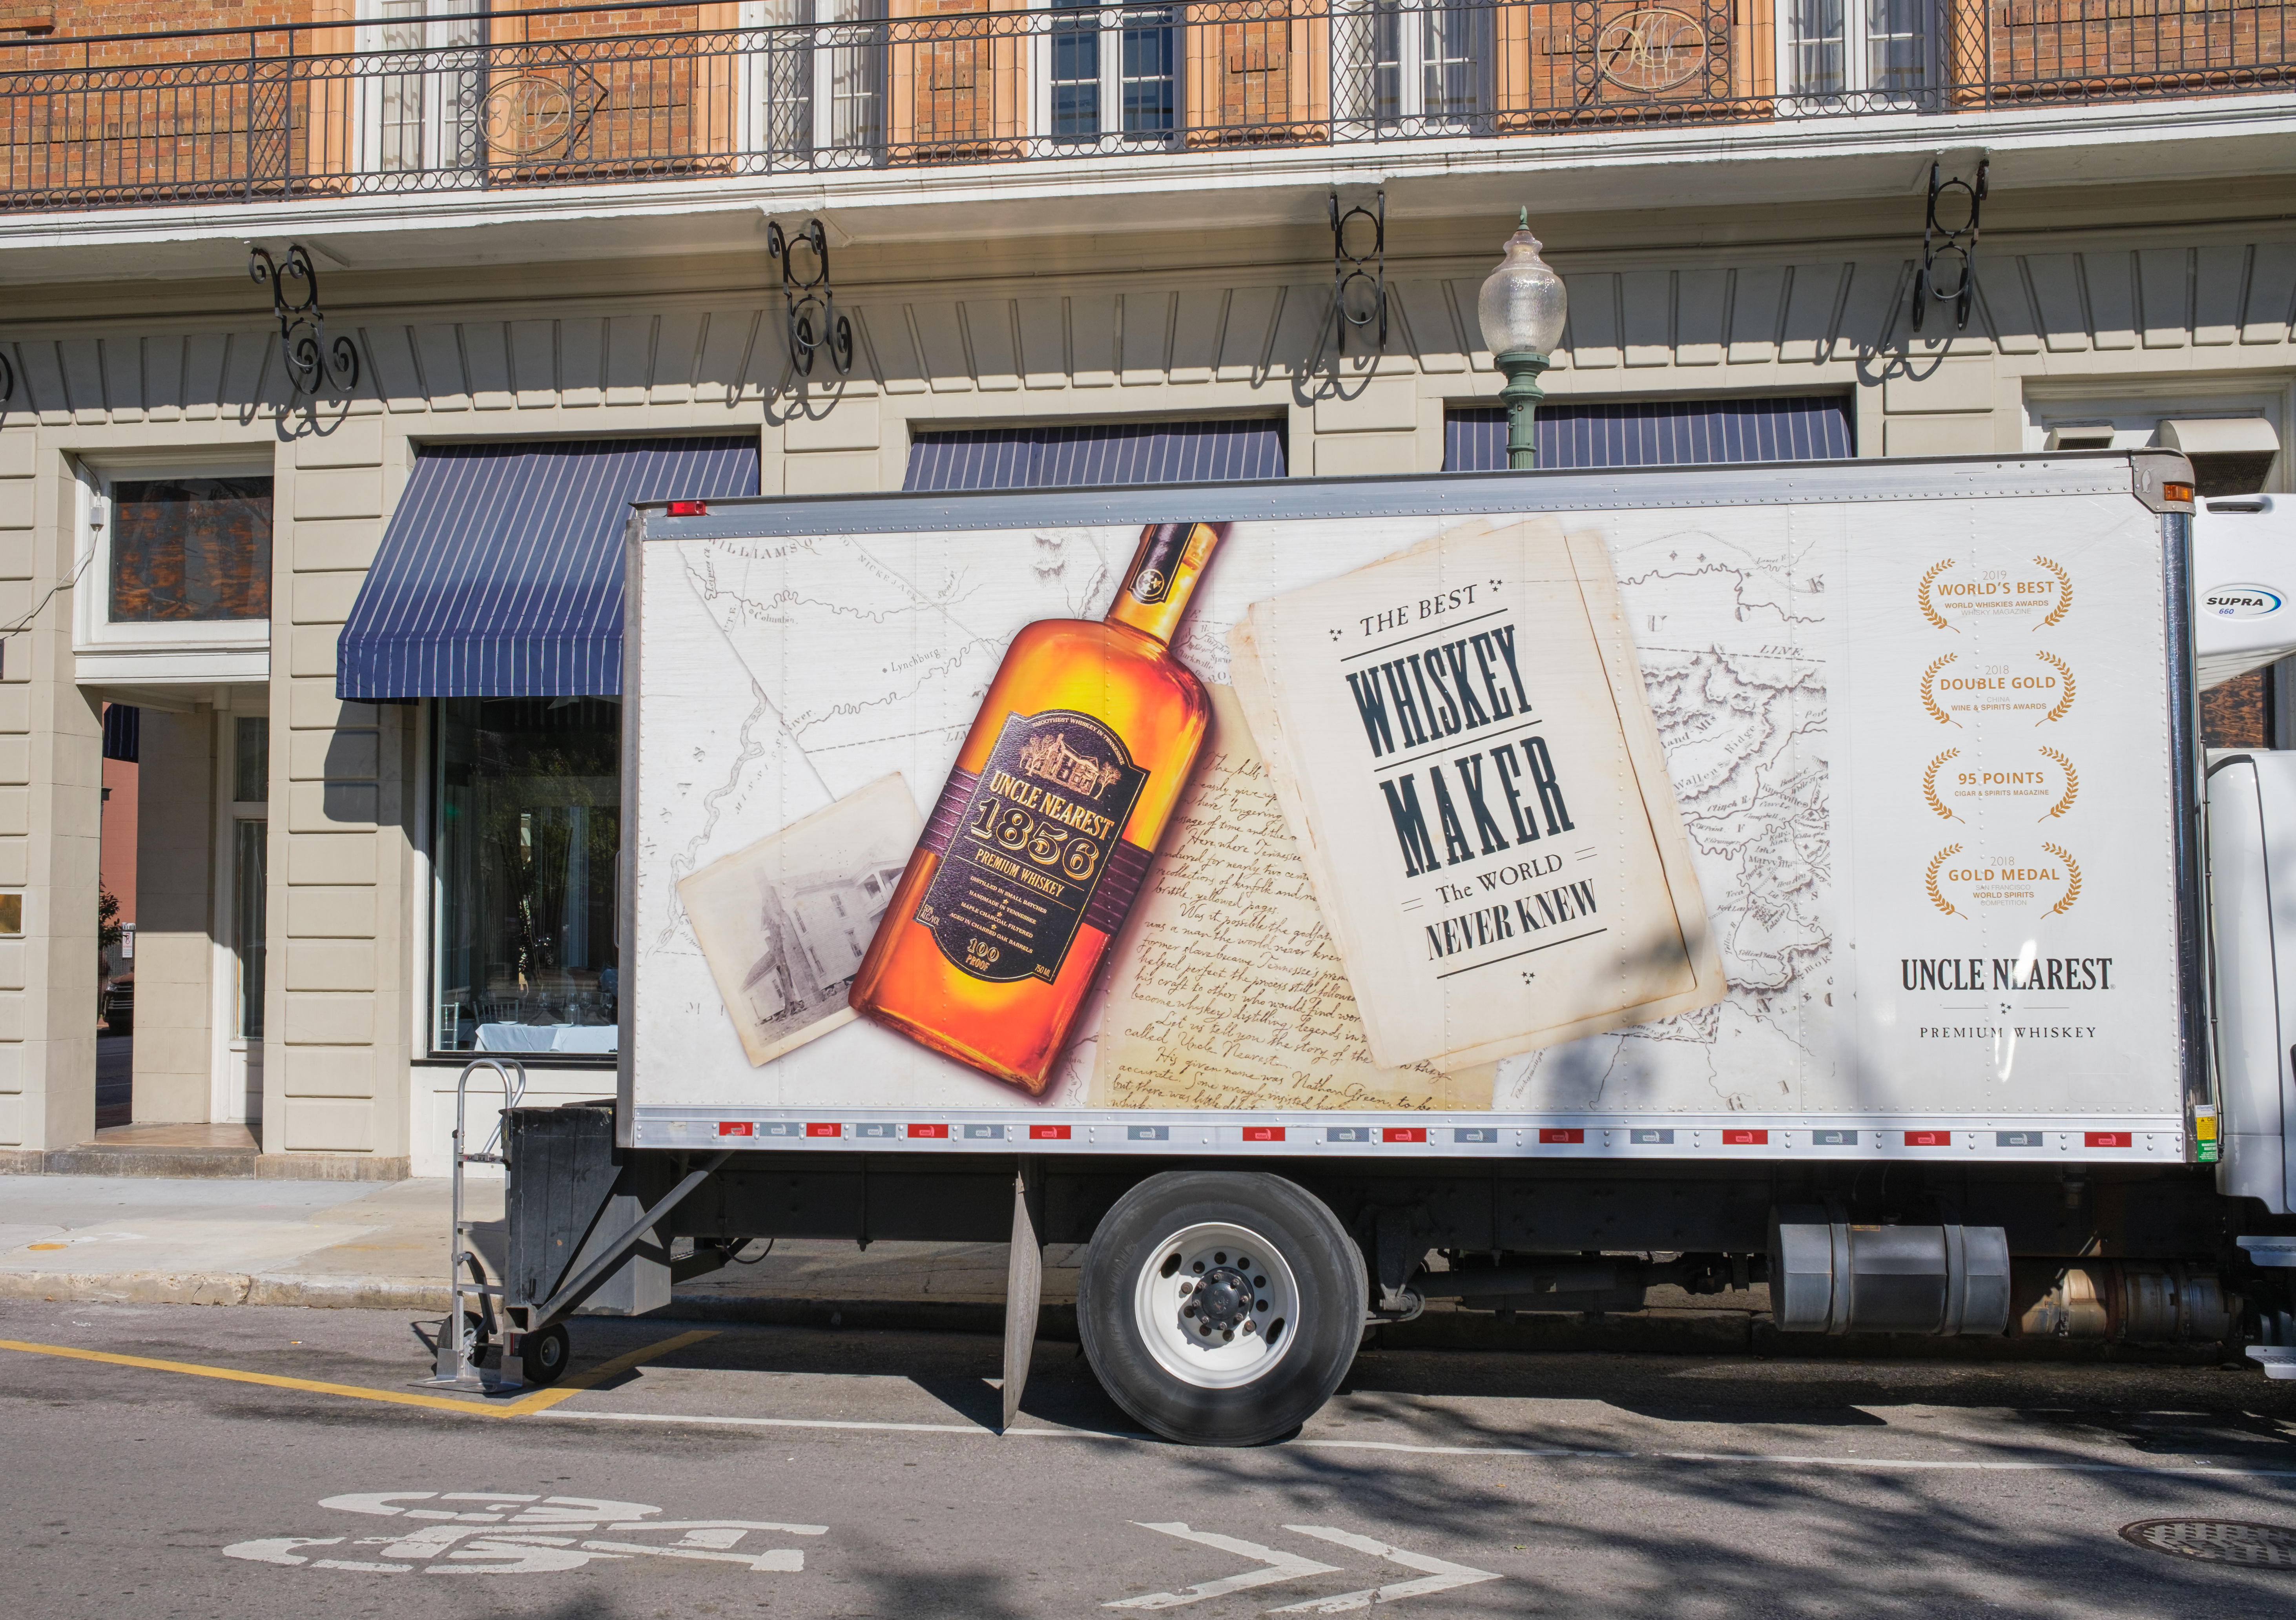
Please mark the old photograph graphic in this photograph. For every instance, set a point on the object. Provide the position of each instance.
(783, 923)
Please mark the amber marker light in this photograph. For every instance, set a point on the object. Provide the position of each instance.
(2175, 492)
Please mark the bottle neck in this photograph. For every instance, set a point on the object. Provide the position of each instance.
(1154, 598)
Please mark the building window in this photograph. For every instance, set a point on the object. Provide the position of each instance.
(249, 866)
(176, 563)
(425, 116)
(1413, 64)
(189, 549)
(251, 774)
(526, 827)
(1833, 48)
(1110, 71)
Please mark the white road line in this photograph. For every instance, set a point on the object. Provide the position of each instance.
(1442, 1575)
(2201, 1470)
(1275, 1567)
(920, 1428)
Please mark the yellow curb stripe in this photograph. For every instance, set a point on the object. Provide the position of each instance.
(537, 1402)
(543, 1399)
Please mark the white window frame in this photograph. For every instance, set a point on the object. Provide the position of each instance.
(438, 136)
(752, 134)
(828, 49)
(182, 652)
(1108, 28)
(1410, 18)
(1857, 76)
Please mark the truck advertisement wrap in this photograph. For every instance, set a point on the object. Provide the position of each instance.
(1840, 823)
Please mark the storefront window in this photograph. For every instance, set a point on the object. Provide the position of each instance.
(528, 826)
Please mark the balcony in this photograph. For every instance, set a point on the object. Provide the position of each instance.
(453, 102)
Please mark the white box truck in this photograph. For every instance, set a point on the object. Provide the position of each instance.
(1323, 896)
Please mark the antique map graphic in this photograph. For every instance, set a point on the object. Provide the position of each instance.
(1724, 630)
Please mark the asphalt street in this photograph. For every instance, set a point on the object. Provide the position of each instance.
(175, 1460)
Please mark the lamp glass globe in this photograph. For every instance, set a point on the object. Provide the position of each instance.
(1522, 304)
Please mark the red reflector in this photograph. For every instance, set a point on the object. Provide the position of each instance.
(1545, 1134)
(937, 1131)
(736, 1127)
(1929, 1139)
(689, 509)
(2106, 1139)
(825, 1130)
(1404, 1133)
(1048, 1132)
(1263, 1132)
(1745, 1138)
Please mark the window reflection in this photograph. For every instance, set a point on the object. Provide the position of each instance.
(528, 828)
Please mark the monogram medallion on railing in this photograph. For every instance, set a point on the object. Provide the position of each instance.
(539, 113)
(1651, 48)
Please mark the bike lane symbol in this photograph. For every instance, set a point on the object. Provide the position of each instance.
(496, 1532)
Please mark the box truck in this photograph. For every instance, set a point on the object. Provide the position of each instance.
(1324, 896)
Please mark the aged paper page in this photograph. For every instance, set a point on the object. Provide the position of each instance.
(1227, 991)
(1462, 728)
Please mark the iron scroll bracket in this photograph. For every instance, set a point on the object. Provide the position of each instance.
(1949, 272)
(311, 363)
(814, 320)
(1360, 275)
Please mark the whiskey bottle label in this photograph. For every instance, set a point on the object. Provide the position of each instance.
(1031, 848)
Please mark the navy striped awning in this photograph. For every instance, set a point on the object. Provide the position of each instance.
(1065, 455)
(501, 573)
(1657, 433)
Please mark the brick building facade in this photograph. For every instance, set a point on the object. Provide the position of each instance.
(555, 228)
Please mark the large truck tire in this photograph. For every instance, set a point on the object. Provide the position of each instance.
(1221, 1307)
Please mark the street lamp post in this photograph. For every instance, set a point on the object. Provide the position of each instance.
(1522, 306)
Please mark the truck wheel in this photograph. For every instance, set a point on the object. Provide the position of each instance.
(1221, 1308)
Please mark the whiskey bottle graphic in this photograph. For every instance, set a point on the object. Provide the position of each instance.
(1047, 827)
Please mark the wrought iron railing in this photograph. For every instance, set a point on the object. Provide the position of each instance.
(469, 100)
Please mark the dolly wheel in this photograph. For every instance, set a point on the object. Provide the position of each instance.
(543, 1356)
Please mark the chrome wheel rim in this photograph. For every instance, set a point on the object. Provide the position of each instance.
(1217, 1305)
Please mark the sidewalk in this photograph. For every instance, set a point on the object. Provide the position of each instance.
(154, 1241)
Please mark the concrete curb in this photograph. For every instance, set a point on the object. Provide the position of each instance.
(204, 1165)
(226, 1288)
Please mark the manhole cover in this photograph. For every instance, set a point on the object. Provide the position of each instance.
(2216, 1540)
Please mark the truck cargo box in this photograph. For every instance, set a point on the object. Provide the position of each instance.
(1829, 811)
